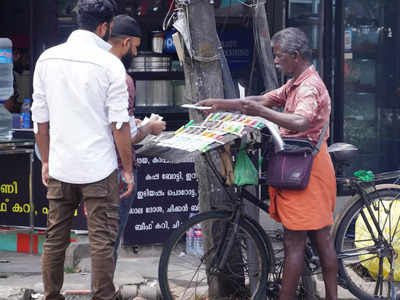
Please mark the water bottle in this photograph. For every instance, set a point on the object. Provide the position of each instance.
(189, 242)
(194, 240)
(26, 114)
(5, 122)
(198, 241)
(6, 69)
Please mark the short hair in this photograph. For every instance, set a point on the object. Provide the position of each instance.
(124, 26)
(292, 39)
(92, 13)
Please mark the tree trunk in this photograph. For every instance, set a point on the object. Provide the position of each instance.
(203, 79)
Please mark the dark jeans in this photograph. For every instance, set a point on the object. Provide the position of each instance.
(101, 202)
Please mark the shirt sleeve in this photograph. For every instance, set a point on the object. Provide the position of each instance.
(40, 109)
(307, 102)
(117, 95)
(277, 96)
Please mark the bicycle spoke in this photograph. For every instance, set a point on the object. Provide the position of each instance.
(395, 230)
(356, 252)
(361, 261)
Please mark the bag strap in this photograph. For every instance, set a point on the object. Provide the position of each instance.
(321, 138)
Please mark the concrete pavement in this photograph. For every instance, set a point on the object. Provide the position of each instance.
(135, 277)
(20, 275)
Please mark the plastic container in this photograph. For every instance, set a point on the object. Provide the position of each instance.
(157, 41)
(6, 69)
(194, 240)
(5, 122)
(26, 114)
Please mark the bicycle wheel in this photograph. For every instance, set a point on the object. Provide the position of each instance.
(186, 276)
(365, 258)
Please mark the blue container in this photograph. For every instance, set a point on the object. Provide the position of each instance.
(26, 114)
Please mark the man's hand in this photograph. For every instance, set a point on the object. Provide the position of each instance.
(43, 141)
(156, 127)
(127, 177)
(209, 102)
(251, 108)
(45, 174)
(124, 146)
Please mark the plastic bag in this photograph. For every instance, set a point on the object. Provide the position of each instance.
(244, 171)
(363, 237)
(364, 175)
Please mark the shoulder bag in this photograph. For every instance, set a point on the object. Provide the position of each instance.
(291, 167)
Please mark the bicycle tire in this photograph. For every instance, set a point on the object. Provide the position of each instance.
(177, 281)
(355, 274)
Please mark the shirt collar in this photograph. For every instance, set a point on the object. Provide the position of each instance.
(80, 35)
(306, 73)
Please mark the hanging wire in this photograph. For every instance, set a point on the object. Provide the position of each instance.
(165, 22)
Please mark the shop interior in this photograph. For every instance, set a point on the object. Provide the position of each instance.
(34, 26)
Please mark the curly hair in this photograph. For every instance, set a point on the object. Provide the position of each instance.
(292, 39)
(92, 13)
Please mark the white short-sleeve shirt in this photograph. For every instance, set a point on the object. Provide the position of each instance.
(80, 89)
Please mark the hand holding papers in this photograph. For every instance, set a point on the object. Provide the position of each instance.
(147, 120)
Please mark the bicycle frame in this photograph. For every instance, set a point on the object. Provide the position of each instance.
(356, 184)
(365, 197)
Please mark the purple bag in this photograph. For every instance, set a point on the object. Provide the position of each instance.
(291, 167)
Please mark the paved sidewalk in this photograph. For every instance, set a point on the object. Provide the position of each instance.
(136, 275)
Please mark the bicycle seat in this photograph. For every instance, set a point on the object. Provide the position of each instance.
(342, 151)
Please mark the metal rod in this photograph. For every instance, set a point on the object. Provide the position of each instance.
(32, 210)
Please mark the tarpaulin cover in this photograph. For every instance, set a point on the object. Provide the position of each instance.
(387, 214)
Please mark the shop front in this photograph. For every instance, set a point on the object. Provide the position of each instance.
(354, 49)
(355, 46)
(370, 83)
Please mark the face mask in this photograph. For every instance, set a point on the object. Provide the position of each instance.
(127, 59)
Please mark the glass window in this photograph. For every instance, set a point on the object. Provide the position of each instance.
(306, 15)
(371, 98)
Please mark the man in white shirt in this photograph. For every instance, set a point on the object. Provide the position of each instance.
(79, 109)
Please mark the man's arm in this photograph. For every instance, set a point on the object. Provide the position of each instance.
(43, 141)
(117, 106)
(123, 143)
(40, 118)
(235, 104)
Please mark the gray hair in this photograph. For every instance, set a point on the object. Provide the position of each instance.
(292, 39)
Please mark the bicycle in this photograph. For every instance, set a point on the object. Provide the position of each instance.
(241, 256)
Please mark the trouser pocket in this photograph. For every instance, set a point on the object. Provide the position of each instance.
(54, 189)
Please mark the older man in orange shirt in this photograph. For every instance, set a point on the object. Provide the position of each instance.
(307, 108)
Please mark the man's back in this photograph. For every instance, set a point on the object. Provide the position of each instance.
(80, 89)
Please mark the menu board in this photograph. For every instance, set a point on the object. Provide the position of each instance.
(15, 208)
(167, 194)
